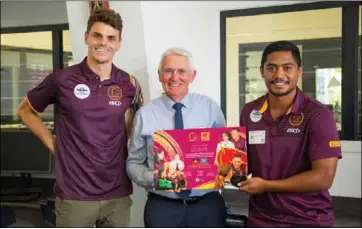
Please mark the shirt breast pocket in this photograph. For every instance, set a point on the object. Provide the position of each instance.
(288, 146)
(118, 106)
(290, 136)
(290, 131)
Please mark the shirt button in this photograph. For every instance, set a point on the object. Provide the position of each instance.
(100, 85)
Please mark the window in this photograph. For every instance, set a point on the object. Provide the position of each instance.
(26, 61)
(28, 55)
(317, 30)
(67, 49)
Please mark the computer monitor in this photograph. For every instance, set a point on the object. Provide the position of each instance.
(23, 152)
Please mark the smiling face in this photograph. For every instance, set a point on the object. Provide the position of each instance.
(176, 75)
(281, 73)
(236, 161)
(225, 137)
(103, 41)
(235, 134)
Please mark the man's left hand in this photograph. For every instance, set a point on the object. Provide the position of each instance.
(252, 186)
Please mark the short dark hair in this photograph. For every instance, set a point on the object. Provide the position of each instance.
(282, 46)
(227, 134)
(107, 16)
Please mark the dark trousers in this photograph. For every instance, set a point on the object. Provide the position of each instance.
(206, 211)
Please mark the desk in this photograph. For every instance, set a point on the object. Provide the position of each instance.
(35, 204)
(28, 214)
(36, 213)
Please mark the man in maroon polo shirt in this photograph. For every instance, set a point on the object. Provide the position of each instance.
(293, 148)
(95, 102)
(238, 141)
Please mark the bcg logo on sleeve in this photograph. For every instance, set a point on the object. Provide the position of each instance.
(334, 144)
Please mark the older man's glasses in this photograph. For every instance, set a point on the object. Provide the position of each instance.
(179, 71)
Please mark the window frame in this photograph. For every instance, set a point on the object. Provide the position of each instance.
(350, 38)
(57, 38)
(57, 44)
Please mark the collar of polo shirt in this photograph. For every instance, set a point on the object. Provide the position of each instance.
(87, 71)
(294, 108)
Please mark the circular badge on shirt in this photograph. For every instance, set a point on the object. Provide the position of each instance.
(255, 116)
(81, 91)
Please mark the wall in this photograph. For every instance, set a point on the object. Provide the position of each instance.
(194, 26)
(347, 181)
(24, 13)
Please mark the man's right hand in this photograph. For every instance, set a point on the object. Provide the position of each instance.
(32, 120)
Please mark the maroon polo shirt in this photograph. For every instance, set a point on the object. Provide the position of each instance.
(91, 140)
(240, 172)
(240, 144)
(305, 133)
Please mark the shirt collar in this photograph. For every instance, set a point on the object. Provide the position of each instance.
(90, 75)
(294, 108)
(169, 102)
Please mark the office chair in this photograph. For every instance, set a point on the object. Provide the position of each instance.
(7, 216)
(48, 212)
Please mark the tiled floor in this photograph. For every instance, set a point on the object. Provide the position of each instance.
(347, 211)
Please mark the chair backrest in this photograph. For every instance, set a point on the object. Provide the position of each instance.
(7, 216)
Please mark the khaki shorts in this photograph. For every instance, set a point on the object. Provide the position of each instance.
(103, 213)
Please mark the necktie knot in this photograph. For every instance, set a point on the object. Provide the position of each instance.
(177, 106)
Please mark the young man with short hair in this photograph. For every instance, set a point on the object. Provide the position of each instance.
(95, 103)
(293, 148)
